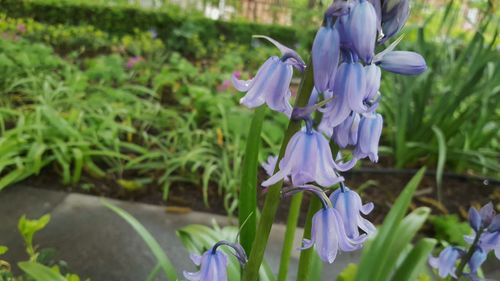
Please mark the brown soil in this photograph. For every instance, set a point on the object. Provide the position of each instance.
(380, 186)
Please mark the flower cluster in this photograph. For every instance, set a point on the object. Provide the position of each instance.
(486, 238)
(346, 74)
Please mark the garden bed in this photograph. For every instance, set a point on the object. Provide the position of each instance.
(380, 186)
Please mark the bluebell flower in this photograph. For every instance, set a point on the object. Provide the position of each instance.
(307, 159)
(363, 30)
(347, 132)
(477, 259)
(370, 129)
(271, 84)
(402, 62)
(328, 235)
(394, 16)
(325, 55)
(372, 95)
(348, 203)
(446, 262)
(486, 223)
(349, 90)
(213, 263)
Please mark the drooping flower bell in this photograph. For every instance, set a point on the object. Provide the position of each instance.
(328, 235)
(349, 90)
(446, 262)
(213, 263)
(271, 84)
(486, 223)
(370, 129)
(394, 16)
(347, 132)
(402, 62)
(325, 55)
(363, 30)
(372, 95)
(348, 204)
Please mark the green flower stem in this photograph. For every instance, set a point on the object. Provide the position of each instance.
(307, 255)
(291, 226)
(468, 255)
(274, 191)
(248, 189)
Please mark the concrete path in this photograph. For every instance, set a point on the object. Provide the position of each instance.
(98, 244)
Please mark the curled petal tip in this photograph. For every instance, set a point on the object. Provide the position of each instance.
(287, 53)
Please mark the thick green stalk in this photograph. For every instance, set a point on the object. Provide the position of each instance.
(274, 191)
(291, 226)
(248, 187)
(306, 255)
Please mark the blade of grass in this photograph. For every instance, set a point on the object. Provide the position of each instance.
(153, 245)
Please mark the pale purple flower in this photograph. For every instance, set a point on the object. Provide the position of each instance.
(372, 95)
(477, 259)
(342, 26)
(328, 235)
(402, 62)
(446, 262)
(349, 90)
(307, 159)
(348, 204)
(347, 132)
(213, 263)
(394, 16)
(486, 222)
(325, 56)
(133, 61)
(363, 30)
(213, 267)
(271, 84)
(370, 129)
(21, 28)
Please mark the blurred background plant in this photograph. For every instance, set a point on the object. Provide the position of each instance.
(146, 104)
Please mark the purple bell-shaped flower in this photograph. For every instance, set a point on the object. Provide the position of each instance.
(308, 158)
(271, 84)
(348, 203)
(325, 56)
(328, 235)
(402, 62)
(446, 262)
(394, 16)
(347, 132)
(363, 30)
(213, 263)
(370, 129)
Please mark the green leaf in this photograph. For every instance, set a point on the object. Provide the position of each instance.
(3, 250)
(379, 251)
(28, 228)
(248, 191)
(415, 260)
(153, 245)
(40, 272)
(441, 160)
(348, 273)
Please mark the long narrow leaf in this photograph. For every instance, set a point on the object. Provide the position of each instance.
(153, 245)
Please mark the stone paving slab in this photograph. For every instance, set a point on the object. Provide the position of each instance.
(98, 244)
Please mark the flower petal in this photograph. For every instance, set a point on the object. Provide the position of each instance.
(403, 62)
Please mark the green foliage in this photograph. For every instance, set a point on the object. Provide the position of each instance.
(199, 238)
(348, 273)
(153, 245)
(28, 228)
(456, 96)
(191, 35)
(3, 249)
(40, 272)
(390, 255)
(449, 228)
